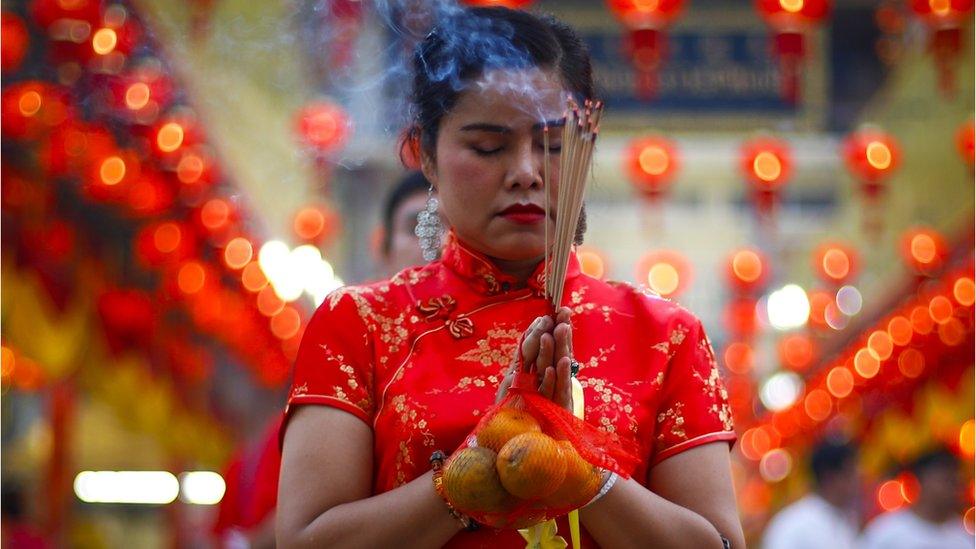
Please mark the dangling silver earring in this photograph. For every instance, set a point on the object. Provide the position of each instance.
(429, 228)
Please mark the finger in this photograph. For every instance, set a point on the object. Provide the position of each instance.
(563, 334)
(504, 385)
(564, 314)
(544, 358)
(563, 395)
(548, 383)
(569, 343)
(530, 344)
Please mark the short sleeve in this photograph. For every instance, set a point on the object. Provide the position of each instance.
(694, 408)
(334, 364)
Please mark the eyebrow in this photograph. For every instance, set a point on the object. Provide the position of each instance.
(497, 128)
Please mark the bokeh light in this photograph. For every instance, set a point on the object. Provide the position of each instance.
(865, 364)
(840, 381)
(781, 390)
(238, 253)
(788, 307)
(911, 363)
(775, 465)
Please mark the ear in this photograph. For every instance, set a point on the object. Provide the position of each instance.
(429, 167)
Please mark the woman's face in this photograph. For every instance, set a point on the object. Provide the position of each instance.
(488, 165)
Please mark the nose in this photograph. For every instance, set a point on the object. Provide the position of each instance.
(525, 170)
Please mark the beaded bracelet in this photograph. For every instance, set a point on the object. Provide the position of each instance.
(437, 463)
(607, 485)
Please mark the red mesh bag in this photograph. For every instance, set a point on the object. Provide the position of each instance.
(529, 460)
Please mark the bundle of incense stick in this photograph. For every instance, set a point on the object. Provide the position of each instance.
(579, 136)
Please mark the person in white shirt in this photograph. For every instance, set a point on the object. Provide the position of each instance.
(826, 517)
(934, 522)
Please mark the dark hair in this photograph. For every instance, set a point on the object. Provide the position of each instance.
(409, 185)
(466, 43)
(939, 458)
(829, 457)
(471, 41)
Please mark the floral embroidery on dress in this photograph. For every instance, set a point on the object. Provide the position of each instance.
(411, 416)
(497, 347)
(612, 404)
(678, 334)
(676, 418)
(578, 306)
(713, 386)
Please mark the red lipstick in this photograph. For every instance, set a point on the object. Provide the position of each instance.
(523, 214)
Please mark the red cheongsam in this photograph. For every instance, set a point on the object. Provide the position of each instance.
(419, 357)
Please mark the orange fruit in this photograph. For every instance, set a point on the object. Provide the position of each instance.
(582, 480)
(504, 425)
(471, 482)
(531, 465)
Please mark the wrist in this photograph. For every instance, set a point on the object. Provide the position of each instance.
(437, 460)
(609, 480)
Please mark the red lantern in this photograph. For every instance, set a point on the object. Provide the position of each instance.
(164, 243)
(322, 126)
(117, 33)
(797, 352)
(196, 171)
(218, 219)
(151, 194)
(111, 175)
(872, 156)
(48, 12)
(646, 42)
(652, 163)
(964, 142)
(141, 94)
(945, 19)
(31, 108)
(316, 224)
(593, 262)
(820, 301)
(767, 164)
(835, 263)
(747, 270)
(176, 132)
(70, 26)
(128, 317)
(923, 250)
(15, 41)
(790, 19)
(666, 272)
(740, 318)
(72, 147)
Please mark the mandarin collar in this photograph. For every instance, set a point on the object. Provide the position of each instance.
(478, 270)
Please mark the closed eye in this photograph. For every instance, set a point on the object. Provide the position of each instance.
(486, 151)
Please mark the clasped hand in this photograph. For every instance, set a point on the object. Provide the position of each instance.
(547, 351)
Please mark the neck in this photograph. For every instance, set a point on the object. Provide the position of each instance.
(836, 500)
(521, 269)
(931, 512)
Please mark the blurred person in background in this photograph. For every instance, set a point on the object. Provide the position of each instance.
(246, 514)
(934, 521)
(826, 517)
(399, 246)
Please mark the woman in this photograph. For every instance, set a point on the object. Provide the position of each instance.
(398, 240)
(391, 372)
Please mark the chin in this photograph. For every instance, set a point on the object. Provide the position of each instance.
(519, 247)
